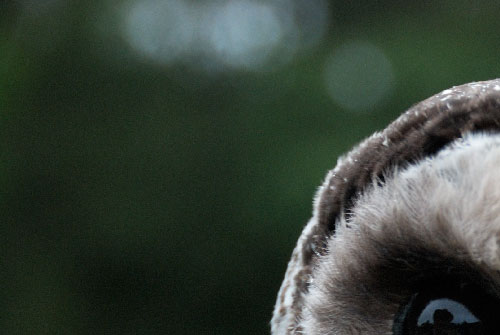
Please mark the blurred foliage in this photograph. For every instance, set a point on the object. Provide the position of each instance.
(139, 198)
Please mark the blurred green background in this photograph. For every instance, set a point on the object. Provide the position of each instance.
(158, 158)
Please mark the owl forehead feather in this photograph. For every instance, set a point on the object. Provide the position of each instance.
(419, 133)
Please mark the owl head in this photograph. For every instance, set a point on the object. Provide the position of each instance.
(405, 233)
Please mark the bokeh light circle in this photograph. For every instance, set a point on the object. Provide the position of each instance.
(244, 33)
(160, 29)
(358, 76)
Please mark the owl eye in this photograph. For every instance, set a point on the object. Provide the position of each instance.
(445, 312)
(448, 312)
(426, 315)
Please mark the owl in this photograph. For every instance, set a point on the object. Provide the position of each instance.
(405, 233)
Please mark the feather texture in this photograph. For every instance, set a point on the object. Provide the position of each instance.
(403, 194)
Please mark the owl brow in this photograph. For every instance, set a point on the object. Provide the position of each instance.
(412, 267)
